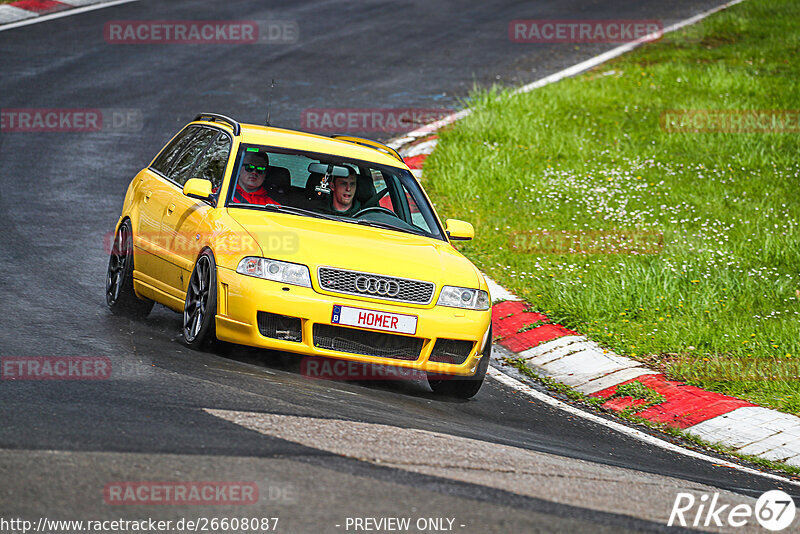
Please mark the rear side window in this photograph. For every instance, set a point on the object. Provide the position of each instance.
(167, 156)
(213, 162)
(182, 169)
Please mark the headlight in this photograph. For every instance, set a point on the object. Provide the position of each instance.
(279, 271)
(462, 297)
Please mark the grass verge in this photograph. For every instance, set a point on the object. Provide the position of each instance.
(678, 249)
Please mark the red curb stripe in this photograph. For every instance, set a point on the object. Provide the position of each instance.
(531, 338)
(684, 406)
(620, 403)
(415, 162)
(507, 307)
(40, 6)
(509, 317)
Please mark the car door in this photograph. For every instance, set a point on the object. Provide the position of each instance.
(184, 218)
(154, 193)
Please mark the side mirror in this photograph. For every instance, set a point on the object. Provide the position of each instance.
(459, 230)
(198, 188)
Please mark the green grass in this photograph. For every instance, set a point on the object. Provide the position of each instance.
(637, 390)
(588, 154)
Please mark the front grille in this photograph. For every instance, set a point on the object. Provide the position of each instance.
(280, 327)
(355, 282)
(367, 343)
(452, 351)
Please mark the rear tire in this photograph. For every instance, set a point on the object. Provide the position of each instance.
(120, 296)
(463, 387)
(200, 307)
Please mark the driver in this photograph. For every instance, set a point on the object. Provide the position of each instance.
(250, 189)
(342, 200)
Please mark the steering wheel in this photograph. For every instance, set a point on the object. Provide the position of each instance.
(379, 209)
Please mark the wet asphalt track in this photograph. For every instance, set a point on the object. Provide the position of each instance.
(61, 442)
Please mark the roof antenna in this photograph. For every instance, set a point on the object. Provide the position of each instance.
(269, 102)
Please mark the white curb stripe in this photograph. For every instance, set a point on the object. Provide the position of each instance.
(628, 431)
(426, 147)
(13, 14)
(61, 14)
(428, 129)
(613, 379)
(550, 346)
(586, 364)
(558, 353)
(756, 431)
(496, 292)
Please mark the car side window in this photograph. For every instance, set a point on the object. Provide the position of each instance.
(174, 149)
(182, 168)
(212, 163)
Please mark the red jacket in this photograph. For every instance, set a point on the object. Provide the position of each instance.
(259, 197)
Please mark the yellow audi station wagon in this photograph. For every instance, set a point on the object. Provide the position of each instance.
(318, 246)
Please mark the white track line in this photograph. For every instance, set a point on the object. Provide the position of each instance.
(62, 14)
(512, 382)
(494, 373)
(566, 73)
(628, 431)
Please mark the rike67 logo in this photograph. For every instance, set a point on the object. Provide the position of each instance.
(774, 510)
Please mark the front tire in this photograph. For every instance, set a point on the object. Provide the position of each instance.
(463, 387)
(120, 296)
(200, 308)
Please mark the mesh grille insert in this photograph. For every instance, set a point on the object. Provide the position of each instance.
(280, 327)
(452, 351)
(367, 343)
(391, 288)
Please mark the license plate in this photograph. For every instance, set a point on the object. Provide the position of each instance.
(376, 320)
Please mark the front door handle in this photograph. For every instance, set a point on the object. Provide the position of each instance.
(148, 195)
(170, 208)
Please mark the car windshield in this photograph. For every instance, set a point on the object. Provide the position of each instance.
(331, 187)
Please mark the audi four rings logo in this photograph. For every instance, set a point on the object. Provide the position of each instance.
(377, 286)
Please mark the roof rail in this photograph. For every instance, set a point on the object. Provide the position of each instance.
(371, 144)
(211, 117)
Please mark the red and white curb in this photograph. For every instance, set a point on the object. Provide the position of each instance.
(28, 11)
(555, 352)
(567, 357)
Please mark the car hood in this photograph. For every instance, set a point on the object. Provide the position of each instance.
(318, 242)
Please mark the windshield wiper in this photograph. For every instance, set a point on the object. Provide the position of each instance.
(385, 226)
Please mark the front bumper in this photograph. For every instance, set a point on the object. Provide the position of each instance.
(240, 298)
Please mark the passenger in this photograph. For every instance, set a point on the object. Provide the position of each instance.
(342, 200)
(250, 188)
